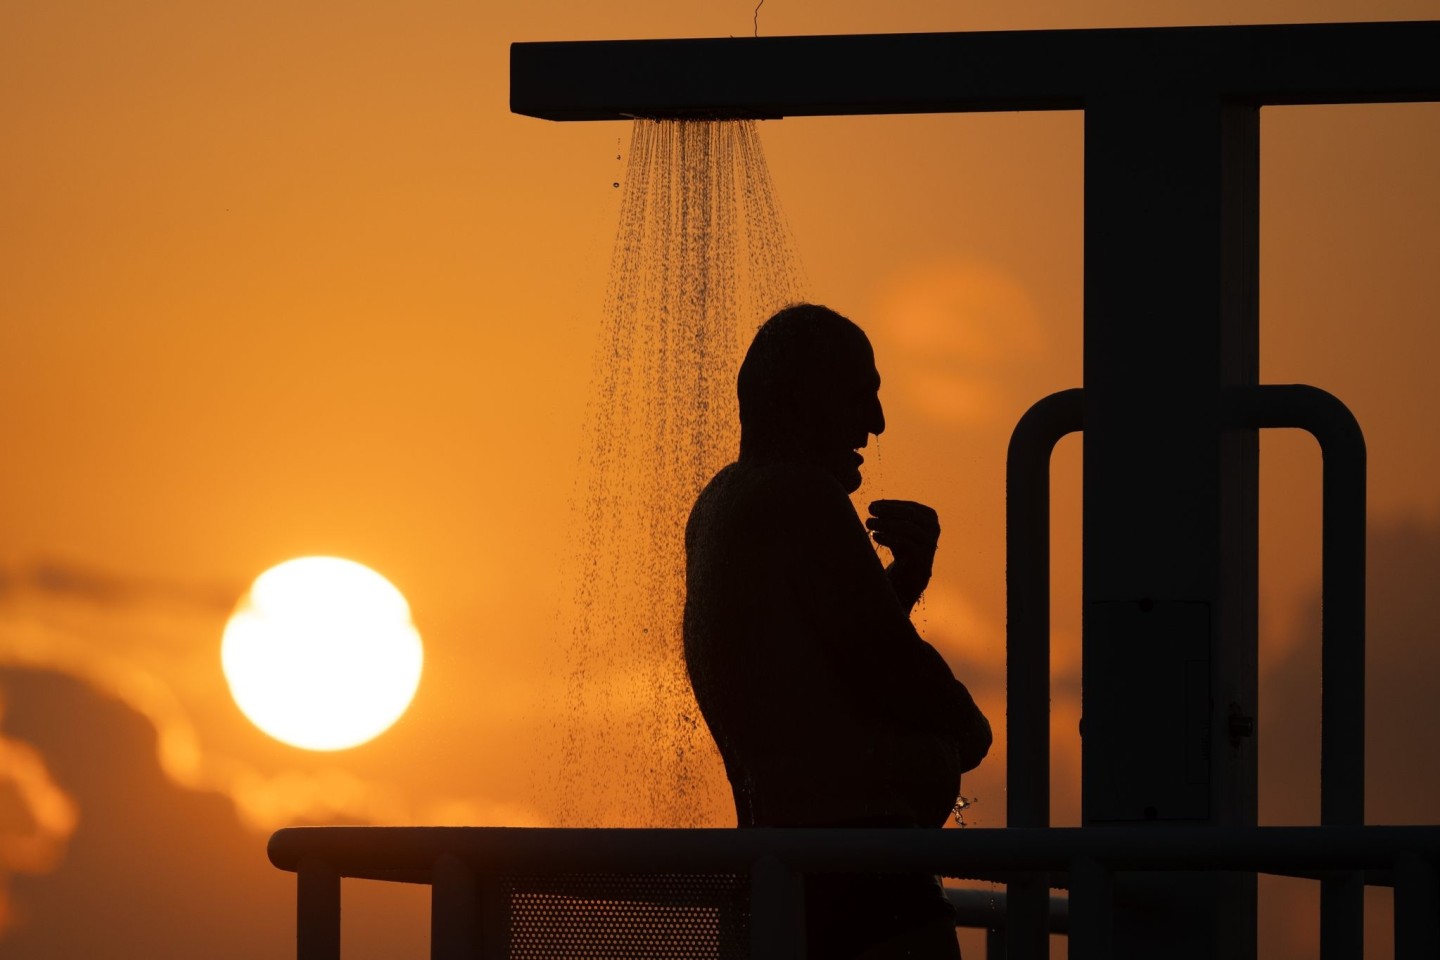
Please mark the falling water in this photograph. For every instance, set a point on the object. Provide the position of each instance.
(701, 257)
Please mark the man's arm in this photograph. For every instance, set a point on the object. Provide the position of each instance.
(850, 599)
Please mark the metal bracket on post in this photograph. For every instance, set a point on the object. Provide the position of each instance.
(1027, 649)
(317, 914)
(1342, 630)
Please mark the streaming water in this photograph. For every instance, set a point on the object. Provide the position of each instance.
(702, 255)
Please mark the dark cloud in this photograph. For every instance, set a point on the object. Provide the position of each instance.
(70, 580)
(1402, 719)
(1402, 691)
(153, 870)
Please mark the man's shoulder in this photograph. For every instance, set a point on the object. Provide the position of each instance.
(769, 505)
(780, 485)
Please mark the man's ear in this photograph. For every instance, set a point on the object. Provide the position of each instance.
(802, 401)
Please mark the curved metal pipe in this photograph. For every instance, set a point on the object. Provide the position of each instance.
(1342, 581)
(1342, 629)
(1027, 518)
(1027, 602)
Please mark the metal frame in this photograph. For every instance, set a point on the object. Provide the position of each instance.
(1172, 403)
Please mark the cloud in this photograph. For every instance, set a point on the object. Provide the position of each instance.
(956, 626)
(37, 819)
(951, 332)
(69, 580)
(1402, 712)
(157, 869)
(152, 868)
(1402, 676)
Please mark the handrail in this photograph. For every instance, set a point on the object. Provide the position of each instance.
(1342, 629)
(379, 853)
(1027, 646)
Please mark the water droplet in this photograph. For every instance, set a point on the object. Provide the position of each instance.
(616, 184)
(961, 805)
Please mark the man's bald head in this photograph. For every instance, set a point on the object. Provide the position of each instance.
(808, 390)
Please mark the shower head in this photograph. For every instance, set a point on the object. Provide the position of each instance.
(627, 79)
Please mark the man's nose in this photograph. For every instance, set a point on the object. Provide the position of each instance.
(877, 419)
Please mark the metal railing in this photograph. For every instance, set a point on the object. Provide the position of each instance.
(1342, 625)
(1342, 711)
(463, 863)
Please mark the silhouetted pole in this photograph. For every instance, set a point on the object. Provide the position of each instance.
(777, 902)
(317, 913)
(1417, 908)
(1170, 544)
(454, 911)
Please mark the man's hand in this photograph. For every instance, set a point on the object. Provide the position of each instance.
(911, 531)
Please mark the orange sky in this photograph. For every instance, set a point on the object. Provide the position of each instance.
(281, 280)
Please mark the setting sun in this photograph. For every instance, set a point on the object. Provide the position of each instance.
(321, 653)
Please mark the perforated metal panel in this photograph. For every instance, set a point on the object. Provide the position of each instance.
(627, 917)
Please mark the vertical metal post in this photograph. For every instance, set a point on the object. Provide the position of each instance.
(1342, 917)
(777, 912)
(1170, 542)
(1027, 650)
(996, 943)
(1417, 909)
(454, 911)
(1027, 918)
(494, 913)
(317, 927)
(1092, 917)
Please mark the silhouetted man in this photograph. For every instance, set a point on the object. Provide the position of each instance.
(828, 707)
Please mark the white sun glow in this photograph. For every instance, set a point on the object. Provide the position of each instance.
(321, 653)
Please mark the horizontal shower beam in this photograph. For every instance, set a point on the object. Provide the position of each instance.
(965, 72)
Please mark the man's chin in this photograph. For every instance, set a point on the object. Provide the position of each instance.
(846, 470)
